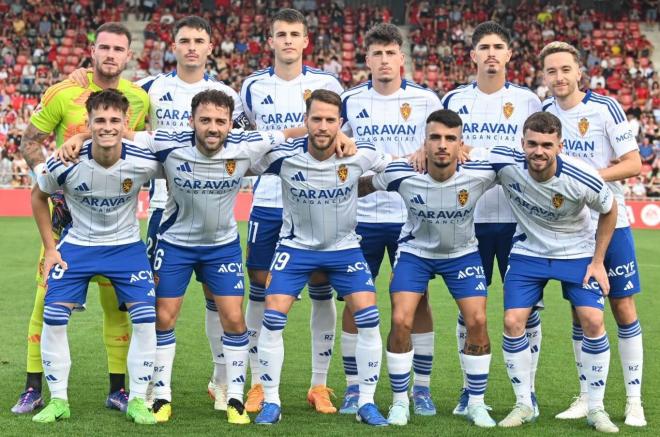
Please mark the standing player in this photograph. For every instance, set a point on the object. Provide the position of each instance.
(438, 238)
(62, 110)
(320, 203)
(274, 99)
(554, 240)
(171, 95)
(391, 113)
(493, 112)
(104, 239)
(597, 132)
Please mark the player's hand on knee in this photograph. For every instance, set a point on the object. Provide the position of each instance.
(79, 76)
(418, 160)
(345, 146)
(52, 257)
(598, 272)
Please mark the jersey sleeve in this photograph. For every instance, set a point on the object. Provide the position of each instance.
(50, 111)
(619, 131)
(54, 176)
(335, 86)
(374, 160)
(346, 126)
(600, 201)
(482, 170)
(162, 142)
(239, 117)
(246, 105)
(434, 103)
(396, 172)
(271, 163)
(258, 143)
(501, 156)
(146, 82)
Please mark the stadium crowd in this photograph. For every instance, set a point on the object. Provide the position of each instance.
(42, 43)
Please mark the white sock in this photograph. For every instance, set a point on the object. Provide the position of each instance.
(578, 334)
(322, 325)
(534, 335)
(254, 316)
(631, 351)
(596, 365)
(368, 353)
(142, 349)
(348, 343)
(163, 364)
(518, 361)
(399, 366)
(271, 354)
(55, 350)
(236, 354)
(214, 333)
(423, 345)
(461, 336)
(477, 368)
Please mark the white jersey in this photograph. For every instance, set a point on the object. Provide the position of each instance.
(395, 124)
(320, 197)
(440, 221)
(102, 201)
(553, 221)
(491, 120)
(597, 131)
(203, 189)
(272, 103)
(170, 104)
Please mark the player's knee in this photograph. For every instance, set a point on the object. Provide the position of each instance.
(514, 326)
(233, 320)
(402, 322)
(257, 277)
(593, 325)
(165, 317)
(476, 322)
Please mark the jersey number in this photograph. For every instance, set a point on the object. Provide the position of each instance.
(279, 261)
(253, 227)
(158, 258)
(58, 272)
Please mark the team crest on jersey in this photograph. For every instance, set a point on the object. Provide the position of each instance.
(463, 197)
(557, 200)
(507, 109)
(307, 94)
(405, 111)
(342, 173)
(127, 185)
(230, 166)
(583, 126)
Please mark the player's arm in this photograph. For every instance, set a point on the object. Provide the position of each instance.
(31, 147)
(604, 203)
(387, 178)
(79, 76)
(622, 168)
(628, 163)
(41, 214)
(366, 186)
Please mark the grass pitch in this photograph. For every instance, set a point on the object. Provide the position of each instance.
(193, 410)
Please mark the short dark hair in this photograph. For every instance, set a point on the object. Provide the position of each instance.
(290, 16)
(114, 27)
(107, 98)
(544, 123)
(383, 33)
(490, 28)
(194, 22)
(214, 97)
(446, 117)
(325, 96)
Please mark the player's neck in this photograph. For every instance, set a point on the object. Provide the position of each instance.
(441, 174)
(320, 155)
(544, 175)
(288, 71)
(106, 156)
(387, 88)
(190, 75)
(490, 84)
(106, 82)
(570, 101)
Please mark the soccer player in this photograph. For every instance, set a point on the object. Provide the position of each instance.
(597, 132)
(493, 112)
(62, 111)
(438, 238)
(319, 195)
(274, 99)
(390, 112)
(555, 240)
(104, 239)
(171, 95)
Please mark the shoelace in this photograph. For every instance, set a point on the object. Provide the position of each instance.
(25, 397)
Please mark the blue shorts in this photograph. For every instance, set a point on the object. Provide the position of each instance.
(494, 242)
(621, 264)
(464, 275)
(376, 237)
(527, 276)
(152, 232)
(347, 270)
(263, 233)
(125, 265)
(219, 267)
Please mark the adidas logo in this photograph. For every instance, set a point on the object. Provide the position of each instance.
(51, 378)
(145, 378)
(583, 378)
(265, 377)
(634, 382)
(599, 383)
(298, 177)
(184, 167)
(534, 349)
(481, 287)
(159, 384)
(515, 187)
(267, 101)
(370, 282)
(253, 350)
(167, 97)
(327, 353)
(372, 379)
(363, 114)
(239, 285)
(463, 110)
(82, 187)
(239, 380)
(418, 200)
(629, 285)
(515, 380)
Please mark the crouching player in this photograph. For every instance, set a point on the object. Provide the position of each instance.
(104, 239)
(438, 238)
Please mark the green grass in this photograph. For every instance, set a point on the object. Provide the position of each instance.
(193, 412)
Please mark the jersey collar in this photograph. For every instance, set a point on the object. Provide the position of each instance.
(560, 166)
(123, 151)
(587, 96)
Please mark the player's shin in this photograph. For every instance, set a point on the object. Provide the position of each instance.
(577, 338)
(518, 362)
(163, 364)
(142, 350)
(55, 349)
(368, 352)
(399, 366)
(236, 355)
(596, 365)
(631, 351)
(214, 336)
(254, 315)
(271, 354)
(322, 325)
(461, 335)
(534, 335)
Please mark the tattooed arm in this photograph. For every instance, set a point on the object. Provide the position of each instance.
(31, 146)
